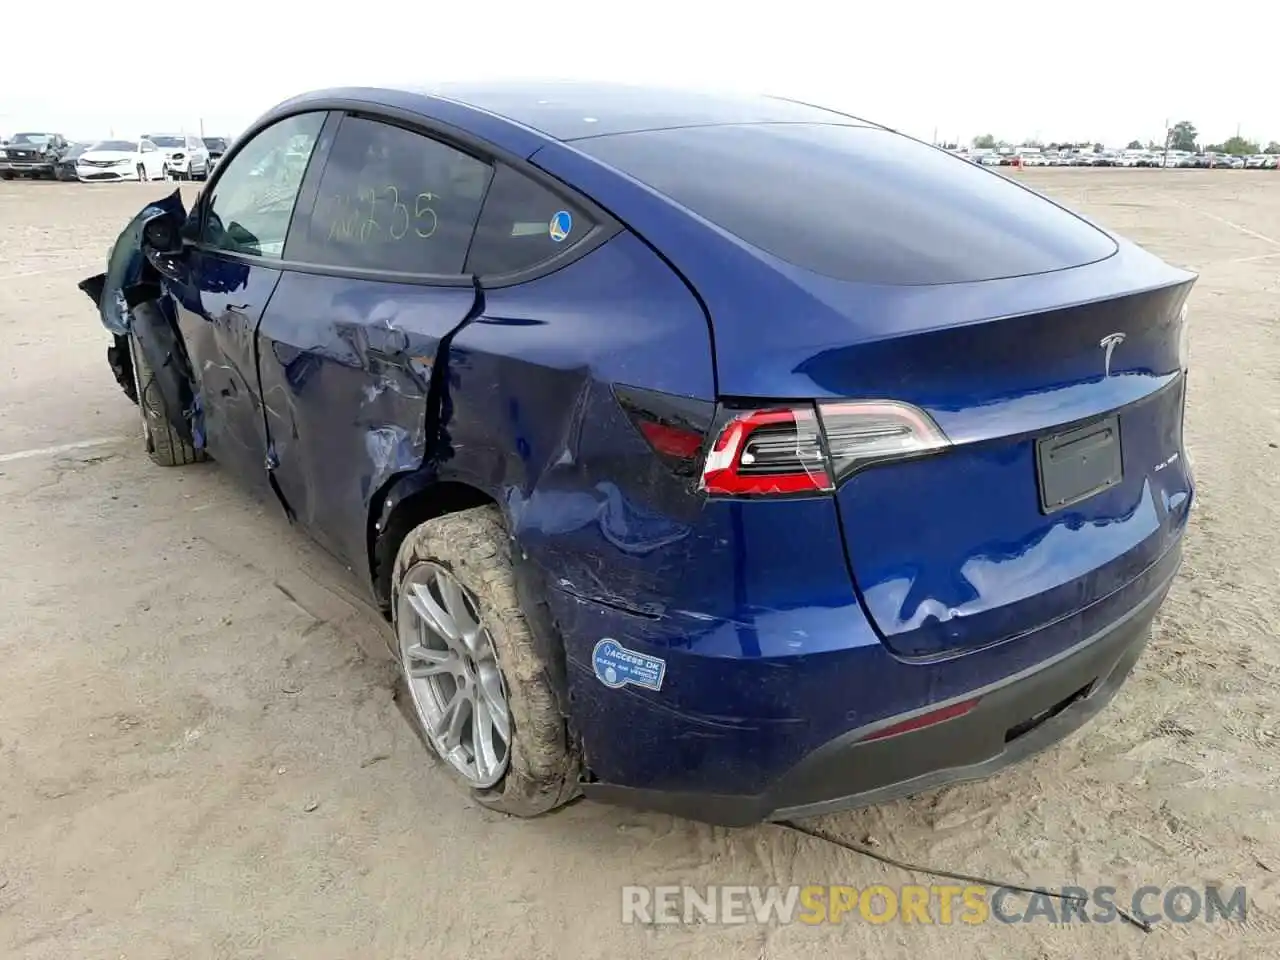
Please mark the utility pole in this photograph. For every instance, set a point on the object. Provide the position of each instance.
(202, 128)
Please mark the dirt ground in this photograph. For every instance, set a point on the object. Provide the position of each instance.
(200, 756)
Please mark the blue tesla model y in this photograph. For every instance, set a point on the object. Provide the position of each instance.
(736, 458)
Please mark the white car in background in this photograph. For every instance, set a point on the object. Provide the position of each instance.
(122, 160)
(187, 156)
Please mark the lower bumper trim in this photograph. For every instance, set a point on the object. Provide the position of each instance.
(1015, 718)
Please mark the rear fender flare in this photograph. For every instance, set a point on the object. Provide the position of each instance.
(428, 492)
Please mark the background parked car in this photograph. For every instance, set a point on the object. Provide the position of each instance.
(186, 156)
(32, 155)
(216, 147)
(65, 169)
(122, 160)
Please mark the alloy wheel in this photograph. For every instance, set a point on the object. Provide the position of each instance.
(451, 668)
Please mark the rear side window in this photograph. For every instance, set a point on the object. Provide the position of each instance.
(392, 200)
(522, 225)
(856, 203)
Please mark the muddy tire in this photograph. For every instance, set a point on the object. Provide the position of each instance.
(473, 547)
(164, 446)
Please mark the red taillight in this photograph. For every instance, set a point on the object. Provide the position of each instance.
(949, 712)
(672, 441)
(797, 450)
(767, 451)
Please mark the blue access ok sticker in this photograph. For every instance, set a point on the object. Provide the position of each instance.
(616, 666)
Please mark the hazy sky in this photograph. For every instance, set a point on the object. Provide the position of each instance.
(1056, 69)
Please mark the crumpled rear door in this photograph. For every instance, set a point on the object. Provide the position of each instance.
(346, 368)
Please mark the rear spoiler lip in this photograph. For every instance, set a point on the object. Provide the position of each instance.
(817, 316)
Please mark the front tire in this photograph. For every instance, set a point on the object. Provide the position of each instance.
(164, 446)
(471, 676)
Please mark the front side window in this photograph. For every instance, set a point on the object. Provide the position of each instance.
(252, 202)
(522, 225)
(393, 200)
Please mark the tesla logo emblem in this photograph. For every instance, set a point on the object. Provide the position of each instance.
(1109, 344)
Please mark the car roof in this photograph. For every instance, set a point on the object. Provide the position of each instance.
(573, 110)
(521, 115)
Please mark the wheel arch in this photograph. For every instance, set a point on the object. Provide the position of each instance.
(411, 499)
(406, 501)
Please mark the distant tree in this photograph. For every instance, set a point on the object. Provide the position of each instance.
(985, 142)
(1272, 147)
(1182, 136)
(1238, 146)
(1152, 145)
(950, 146)
(1097, 148)
(1033, 143)
(1134, 145)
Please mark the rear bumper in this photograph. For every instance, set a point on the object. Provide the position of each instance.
(1015, 718)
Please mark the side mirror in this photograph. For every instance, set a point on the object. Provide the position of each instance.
(161, 236)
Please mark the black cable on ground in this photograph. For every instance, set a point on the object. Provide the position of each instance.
(950, 875)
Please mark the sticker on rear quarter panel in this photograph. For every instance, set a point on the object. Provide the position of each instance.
(616, 666)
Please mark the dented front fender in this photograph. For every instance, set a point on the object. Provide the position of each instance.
(125, 283)
(131, 301)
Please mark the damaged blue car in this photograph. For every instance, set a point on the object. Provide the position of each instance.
(735, 458)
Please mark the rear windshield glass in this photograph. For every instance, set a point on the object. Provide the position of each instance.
(856, 203)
